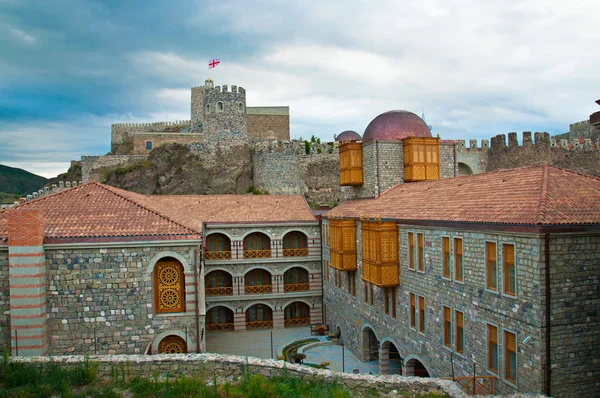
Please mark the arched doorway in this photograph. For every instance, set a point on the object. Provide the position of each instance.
(414, 367)
(370, 346)
(296, 314)
(219, 319)
(464, 169)
(259, 316)
(169, 286)
(295, 280)
(172, 345)
(390, 361)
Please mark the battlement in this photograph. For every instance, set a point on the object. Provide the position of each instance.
(293, 147)
(461, 145)
(543, 140)
(222, 89)
(150, 127)
(62, 185)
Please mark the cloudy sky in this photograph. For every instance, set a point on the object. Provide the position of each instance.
(70, 68)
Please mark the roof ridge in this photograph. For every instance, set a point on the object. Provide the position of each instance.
(44, 197)
(573, 172)
(541, 214)
(115, 190)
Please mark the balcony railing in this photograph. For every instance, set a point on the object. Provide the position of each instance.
(259, 325)
(258, 289)
(295, 252)
(257, 253)
(296, 287)
(290, 323)
(216, 255)
(219, 327)
(219, 291)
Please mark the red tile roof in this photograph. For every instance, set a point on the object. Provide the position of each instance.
(95, 210)
(537, 195)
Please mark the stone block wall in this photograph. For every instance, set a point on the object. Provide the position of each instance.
(122, 131)
(521, 315)
(575, 319)
(158, 139)
(107, 294)
(231, 366)
(269, 122)
(92, 165)
(230, 118)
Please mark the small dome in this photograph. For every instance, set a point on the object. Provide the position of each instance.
(396, 125)
(348, 135)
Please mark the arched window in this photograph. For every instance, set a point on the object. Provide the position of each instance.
(218, 283)
(296, 314)
(295, 280)
(259, 316)
(219, 107)
(258, 281)
(257, 245)
(207, 108)
(241, 107)
(218, 247)
(148, 145)
(172, 345)
(219, 319)
(169, 286)
(294, 244)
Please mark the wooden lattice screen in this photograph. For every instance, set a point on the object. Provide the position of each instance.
(169, 282)
(351, 170)
(421, 159)
(343, 244)
(380, 253)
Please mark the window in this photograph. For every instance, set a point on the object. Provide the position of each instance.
(510, 356)
(207, 108)
(370, 293)
(386, 300)
(492, 266)
(510, 271)
(421, 252)
(352, 283)
(219, 106)
(169, 283)
(458, 260)
(390, 301)
(240, 107)
(366, 289)
(393, 289)
(460, 333)
(413, 311)
(411, 251)
(447, 327)
(446, 257)
(492, 338)
(148, 145)
(421, 314)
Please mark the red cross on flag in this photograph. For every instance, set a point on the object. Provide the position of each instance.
(214, 63)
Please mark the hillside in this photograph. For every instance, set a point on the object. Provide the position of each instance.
(16, 182)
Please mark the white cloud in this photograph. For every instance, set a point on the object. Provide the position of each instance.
(23, 36)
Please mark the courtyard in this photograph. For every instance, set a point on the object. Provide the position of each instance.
(257, 343)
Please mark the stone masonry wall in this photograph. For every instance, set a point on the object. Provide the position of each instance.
(158, 139)
(575, 309)
(107, 294)
(231, 366)
(4, 300)
(92, 165)
(269, 126)
(521, 315)
(230, 119)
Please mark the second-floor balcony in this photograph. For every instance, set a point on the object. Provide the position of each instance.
(258, 289)
(257, 253)
(218, 247)
(217, 255)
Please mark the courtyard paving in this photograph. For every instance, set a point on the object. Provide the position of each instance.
(257, 343)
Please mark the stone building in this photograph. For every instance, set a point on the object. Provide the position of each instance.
(216, 112)
(96, 269)
(495, 273)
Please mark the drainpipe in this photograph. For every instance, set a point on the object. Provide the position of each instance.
(548, 309)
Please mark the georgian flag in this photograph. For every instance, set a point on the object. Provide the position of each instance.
(213, 63)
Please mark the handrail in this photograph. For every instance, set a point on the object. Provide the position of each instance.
(296, 287)
(219, 291)
(257, 253)
(288, 323)
(217, 255)
(258, 289)
(219, 327)
(295, 252)
(259, 325)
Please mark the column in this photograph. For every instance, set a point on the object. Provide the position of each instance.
(27, 278)
(384, 359)
(239, 321)
(278, 318)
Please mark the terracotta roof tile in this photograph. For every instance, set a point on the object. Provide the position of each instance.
(538, 195)
(94, 210)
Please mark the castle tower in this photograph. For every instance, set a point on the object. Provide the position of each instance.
(223, 112)
(197, 114)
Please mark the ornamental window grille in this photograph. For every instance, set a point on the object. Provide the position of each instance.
(169, 282)
(343, 244)
(380, 253)
(172, 345)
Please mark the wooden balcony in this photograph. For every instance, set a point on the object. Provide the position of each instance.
(257, 325)
(216, 255)
(257, 253)
(295, 252)
(258, 289)
(290, 323)
(219, 291)
(219, 327)
(296, 287)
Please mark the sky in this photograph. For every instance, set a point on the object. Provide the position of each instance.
(71, 68)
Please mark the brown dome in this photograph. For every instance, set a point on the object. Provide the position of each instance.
(348, 135)
(396, 125)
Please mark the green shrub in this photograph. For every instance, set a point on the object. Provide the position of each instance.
(307, 147)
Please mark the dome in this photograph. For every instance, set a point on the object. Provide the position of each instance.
(348, 135)
(396, 125)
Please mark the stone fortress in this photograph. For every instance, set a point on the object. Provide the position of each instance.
(220, 122)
